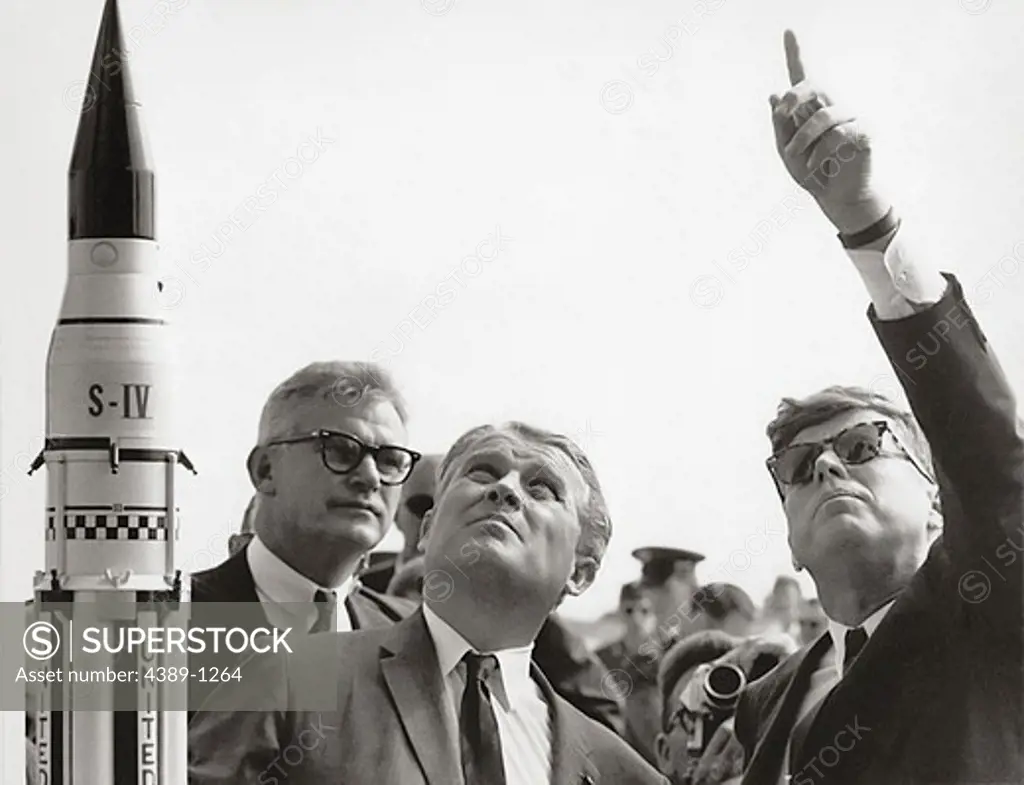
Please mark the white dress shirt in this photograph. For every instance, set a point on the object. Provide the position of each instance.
(898, 283)
(899, 286)
(519, 706)
(287, 595)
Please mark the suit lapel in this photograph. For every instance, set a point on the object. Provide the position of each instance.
(355, 612)
(363, 611)
(766, 762)
(229, 581)
(570, 751)
(413, 676)
(886, 667)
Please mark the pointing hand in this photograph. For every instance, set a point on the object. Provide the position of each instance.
(824, 149)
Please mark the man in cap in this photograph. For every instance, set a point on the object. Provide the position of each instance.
(669, 577)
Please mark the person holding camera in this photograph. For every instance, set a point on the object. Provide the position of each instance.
(700, 681)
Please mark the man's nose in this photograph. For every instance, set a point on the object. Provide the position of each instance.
(503, 495)
(828, 466)
(365, 475)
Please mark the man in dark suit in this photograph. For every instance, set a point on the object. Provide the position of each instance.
(449, 694)
(916, 556)
(327, 469)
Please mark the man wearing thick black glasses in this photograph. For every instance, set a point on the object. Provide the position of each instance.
(327, 470)
(450, 694)
(910, 525)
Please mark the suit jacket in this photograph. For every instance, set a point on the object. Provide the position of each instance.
(577, 674)
(638, 679)
(379, 571)
(936, 694)
(232, 581)
(574, 671)
(387, 725)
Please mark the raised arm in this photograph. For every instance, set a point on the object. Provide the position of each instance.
(954, 382)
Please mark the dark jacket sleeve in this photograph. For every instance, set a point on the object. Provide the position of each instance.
(577, 674)
(744, 725)
(231, 744)
(968, 413)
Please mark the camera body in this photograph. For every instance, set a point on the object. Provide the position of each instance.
(721, 690)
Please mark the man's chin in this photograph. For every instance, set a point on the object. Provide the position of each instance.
(848, 522)
(844, 533)
(354, 525)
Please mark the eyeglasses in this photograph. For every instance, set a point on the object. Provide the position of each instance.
(794, 465)
(342, 452)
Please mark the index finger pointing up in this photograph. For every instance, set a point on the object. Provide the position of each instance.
(796, 68)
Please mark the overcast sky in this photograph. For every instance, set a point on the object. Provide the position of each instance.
(662, 281)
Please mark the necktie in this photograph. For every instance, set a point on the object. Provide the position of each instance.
(855, 640)
(326, 605)
(479, 742)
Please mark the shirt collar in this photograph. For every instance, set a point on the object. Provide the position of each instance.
(514, 673)
(838, 631)
(281, 582)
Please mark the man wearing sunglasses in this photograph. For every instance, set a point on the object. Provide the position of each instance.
(327, 469)
(907, 523)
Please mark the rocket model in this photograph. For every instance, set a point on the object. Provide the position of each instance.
(111, 458)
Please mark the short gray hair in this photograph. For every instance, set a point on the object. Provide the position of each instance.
(594, 516)
(346, 383)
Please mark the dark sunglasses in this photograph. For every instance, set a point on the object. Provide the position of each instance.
(794, 465)
(343, 452)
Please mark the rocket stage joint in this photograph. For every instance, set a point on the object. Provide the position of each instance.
(117, 581)
(116, 453)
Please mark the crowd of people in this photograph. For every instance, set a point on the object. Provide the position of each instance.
(656, 612)
(449, 662)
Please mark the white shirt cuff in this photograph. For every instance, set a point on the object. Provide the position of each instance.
(899, 285)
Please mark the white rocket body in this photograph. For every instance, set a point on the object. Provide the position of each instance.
(112, 515)
(110, 393)
(111, 453)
